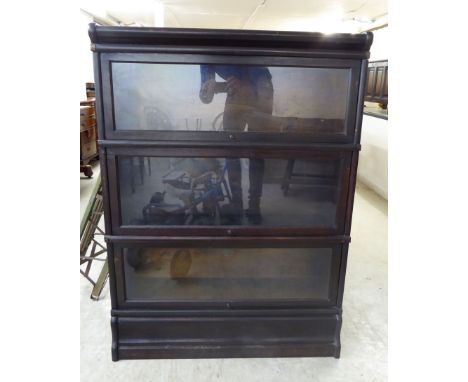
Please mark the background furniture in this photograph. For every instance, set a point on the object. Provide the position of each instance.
(193, 275)
(88, 131)
(377, 82)
(90, 92)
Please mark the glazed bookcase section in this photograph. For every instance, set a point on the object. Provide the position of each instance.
(225, 276)
(226, 98)
(208, 191)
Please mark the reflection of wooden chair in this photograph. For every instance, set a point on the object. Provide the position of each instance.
(156, 119)
(218, 122)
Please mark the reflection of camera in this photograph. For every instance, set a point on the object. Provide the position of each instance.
(210, 88)
(220, 87)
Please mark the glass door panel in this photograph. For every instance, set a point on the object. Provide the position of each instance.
(229, 191)
(233, 98)
(229, 274)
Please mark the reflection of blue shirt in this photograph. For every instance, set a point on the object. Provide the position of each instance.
(253, 73)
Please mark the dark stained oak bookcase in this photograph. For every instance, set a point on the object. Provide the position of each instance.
(229, 165)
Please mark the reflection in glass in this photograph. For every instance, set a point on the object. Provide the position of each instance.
(228, 191)
(227, 273)
(241, 98)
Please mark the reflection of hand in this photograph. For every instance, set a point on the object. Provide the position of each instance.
(232, 85)
(207, 91)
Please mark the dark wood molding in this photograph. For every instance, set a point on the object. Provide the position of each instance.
(136, 39)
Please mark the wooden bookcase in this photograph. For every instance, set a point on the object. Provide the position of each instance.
(228, 162)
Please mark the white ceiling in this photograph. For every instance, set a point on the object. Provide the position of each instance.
(305, 15)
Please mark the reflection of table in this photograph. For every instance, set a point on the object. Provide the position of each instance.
(291, 177)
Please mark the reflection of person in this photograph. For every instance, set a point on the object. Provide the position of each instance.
(249, 89)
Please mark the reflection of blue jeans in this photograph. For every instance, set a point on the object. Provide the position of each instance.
(256, 171)
(246, 100)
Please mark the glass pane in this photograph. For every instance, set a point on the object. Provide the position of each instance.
(227, 273)
(228, 191)
(183, 97)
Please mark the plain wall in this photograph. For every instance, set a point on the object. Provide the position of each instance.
(373, 159)
(379, 46)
